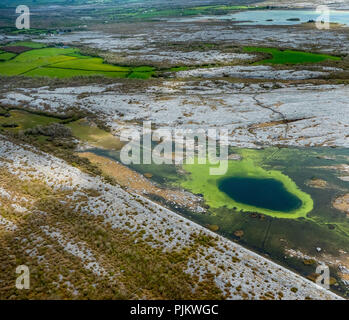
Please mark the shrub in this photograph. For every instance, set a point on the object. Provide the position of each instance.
(54, 130)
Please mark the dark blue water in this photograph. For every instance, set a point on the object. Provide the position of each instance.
(262, 193)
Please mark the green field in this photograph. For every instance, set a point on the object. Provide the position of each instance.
(69, 73)
(180, 12)
(94, 136)
(31, 31)
(63, 63)
(20, 120)
(290, 56)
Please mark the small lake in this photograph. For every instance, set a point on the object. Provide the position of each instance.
(274, 17)
(262, 193)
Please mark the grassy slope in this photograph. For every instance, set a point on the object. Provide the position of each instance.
(290, 56)
(148, 272)
(7, 56)
(91, 64)
(202, 182)
(64, 63)
(34, 45)
(26, 120)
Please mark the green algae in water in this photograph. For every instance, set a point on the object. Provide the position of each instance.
(262, 193)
